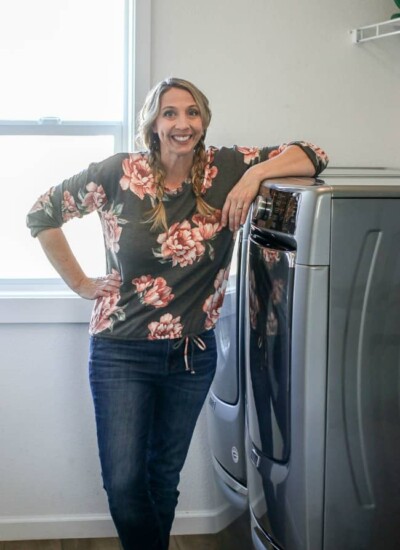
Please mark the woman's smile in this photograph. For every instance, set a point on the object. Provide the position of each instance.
(182, 139)
(178, 125)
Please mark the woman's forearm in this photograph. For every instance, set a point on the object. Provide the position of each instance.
(293, 161)
(58, 251)
(61, 257)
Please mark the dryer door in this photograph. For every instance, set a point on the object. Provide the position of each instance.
(267, 359)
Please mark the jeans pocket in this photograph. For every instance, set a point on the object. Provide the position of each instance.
(208, 337)
(204, 358)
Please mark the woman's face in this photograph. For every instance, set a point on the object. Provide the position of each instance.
(178, 124)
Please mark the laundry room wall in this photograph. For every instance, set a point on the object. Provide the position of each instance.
(274, 71)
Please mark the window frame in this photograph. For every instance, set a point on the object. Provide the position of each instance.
(50, 300)
(52, 126)
(136, 84)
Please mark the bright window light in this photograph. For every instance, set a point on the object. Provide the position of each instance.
(63, 105)
(31, 165)
(62, 58)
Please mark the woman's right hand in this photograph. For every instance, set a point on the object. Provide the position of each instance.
(92, 288)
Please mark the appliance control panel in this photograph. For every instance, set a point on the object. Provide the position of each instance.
(276, 210)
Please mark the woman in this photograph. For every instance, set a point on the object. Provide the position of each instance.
(169, 216)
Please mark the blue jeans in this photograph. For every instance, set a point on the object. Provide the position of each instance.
(146, 406)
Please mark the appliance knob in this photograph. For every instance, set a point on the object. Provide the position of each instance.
(262, 208)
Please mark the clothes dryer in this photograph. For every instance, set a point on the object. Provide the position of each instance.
(322, 348)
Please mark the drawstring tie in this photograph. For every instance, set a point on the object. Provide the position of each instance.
(195, 340)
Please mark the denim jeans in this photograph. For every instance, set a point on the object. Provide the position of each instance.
(146, 406)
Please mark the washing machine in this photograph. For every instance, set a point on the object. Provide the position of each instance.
(226, 402)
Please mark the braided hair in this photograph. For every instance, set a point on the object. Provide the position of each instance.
(150, 140)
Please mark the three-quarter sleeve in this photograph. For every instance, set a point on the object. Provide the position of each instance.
(73, 198)
(253, 155)
(317, 155)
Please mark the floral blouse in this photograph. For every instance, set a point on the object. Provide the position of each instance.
(173, 282)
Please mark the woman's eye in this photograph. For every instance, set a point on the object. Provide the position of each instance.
(194, 112)
(169, 114)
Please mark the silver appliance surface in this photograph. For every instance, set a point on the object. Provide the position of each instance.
(375, 172)
(225, 407)
(322, 348)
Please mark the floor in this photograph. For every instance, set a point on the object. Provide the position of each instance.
(235, 537)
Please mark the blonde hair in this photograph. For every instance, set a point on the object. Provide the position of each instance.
(150, 141)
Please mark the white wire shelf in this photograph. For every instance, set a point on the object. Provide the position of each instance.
(378, 30)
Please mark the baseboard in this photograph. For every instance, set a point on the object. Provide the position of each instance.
(56, 527)
(204, 521)
(100, 525)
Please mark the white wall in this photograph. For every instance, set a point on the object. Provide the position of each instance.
(273, 71)
(276, 71)
(50, 482)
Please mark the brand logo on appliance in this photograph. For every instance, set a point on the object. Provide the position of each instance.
(235, 455)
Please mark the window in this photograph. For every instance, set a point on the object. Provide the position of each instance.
(67, 98)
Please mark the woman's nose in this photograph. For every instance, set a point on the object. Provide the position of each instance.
(182, 121)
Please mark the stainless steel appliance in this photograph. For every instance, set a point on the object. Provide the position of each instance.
(226, 417)
(321, 325)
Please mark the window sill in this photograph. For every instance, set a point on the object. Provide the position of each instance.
(43, 302)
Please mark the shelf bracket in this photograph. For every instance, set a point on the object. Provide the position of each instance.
(378, 30)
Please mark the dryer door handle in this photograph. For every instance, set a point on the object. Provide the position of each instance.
(255, 457)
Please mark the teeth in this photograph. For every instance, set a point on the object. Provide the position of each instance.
(182, 138)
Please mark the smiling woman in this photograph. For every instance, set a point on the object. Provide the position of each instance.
(179, 129)
(169, 217)
(172, 126)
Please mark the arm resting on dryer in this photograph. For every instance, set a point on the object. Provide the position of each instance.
(293, 161)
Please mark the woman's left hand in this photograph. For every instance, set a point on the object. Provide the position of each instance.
(239, 199)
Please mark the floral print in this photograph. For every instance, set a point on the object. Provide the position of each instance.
(208, 225)
(153, 292)
(94, 199)
(320, 153)
(105, 313)
(44, 203)
(250, 154)
(320, 157)
(210, 172)
(167, 327)
(181, 244)
(111, 223)
(277, 151)
(138, 176)
(143, 282)
(212, 306)
(68, 207)
(182, 270)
